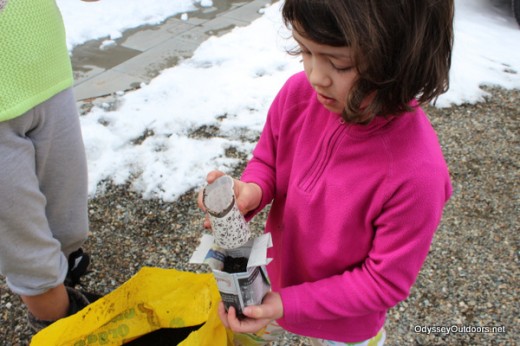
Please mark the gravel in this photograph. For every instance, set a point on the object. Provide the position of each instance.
(468, 285)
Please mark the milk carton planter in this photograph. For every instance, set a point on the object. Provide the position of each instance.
(229, 226)
(239, 284)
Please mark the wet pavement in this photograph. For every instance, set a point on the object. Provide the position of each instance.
(140, 54)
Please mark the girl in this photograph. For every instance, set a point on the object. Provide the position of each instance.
(352, 167)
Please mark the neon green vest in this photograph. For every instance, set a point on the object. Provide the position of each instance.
(34, 60)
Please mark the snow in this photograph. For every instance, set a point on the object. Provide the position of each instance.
(228, 84)
(109, 18)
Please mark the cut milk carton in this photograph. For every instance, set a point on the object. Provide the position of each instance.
(240, 273)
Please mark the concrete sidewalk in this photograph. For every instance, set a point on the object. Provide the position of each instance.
(142, 53)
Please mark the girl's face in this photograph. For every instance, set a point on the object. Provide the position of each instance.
(330, 70)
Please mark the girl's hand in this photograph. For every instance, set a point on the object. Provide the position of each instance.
(258, 316)
(248, 195)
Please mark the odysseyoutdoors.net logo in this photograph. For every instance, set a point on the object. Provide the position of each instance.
(459, 329)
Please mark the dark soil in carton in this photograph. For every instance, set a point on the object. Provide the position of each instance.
(235, 265)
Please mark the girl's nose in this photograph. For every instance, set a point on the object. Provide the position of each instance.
(318, 75)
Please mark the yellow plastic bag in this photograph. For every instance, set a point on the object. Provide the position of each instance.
(151, 300)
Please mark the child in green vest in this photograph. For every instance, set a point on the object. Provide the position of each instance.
(43, 170)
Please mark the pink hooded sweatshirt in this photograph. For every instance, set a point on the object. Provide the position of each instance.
(354, 209)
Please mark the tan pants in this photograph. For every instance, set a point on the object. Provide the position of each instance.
(272, 332)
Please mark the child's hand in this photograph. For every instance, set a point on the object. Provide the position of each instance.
(248, 195)
(259, 316)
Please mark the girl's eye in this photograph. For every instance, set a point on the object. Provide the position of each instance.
(342, 69)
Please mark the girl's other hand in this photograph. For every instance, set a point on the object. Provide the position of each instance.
(248, 195)
(258, 316)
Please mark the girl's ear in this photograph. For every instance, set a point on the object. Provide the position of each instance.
(367, 100)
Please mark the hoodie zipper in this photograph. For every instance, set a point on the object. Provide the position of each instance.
(323, 158)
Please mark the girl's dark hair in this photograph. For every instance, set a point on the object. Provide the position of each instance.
(402, 48)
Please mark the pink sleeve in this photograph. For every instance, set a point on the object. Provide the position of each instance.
(261, 168)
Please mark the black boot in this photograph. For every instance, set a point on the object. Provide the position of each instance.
(79, 262)
(78, 267)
